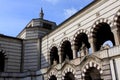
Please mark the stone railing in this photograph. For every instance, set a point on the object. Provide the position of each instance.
(110, 52)
(115, 51)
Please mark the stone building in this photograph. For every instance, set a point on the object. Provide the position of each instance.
(86, 46)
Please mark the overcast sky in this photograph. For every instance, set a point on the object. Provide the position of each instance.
(15, 14)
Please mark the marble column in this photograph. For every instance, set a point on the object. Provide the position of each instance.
(74, 51)
(92, 41)
(60, 55)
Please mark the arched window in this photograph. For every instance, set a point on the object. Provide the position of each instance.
(66, 51)
(69, 76)
(2, 60)
(102, 33)
(54, 55)
(82, 44)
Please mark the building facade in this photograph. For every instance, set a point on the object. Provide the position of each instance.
(86, 46)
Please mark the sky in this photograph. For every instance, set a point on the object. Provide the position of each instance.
(16, 14)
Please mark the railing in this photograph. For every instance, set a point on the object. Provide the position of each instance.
(110, 52)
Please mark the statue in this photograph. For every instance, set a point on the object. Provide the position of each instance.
(106, 46)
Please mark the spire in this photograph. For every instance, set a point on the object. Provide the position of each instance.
(41, 14)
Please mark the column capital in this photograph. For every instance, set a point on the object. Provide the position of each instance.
(73, 46)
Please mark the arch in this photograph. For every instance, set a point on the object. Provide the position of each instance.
(80, 31)
(53, 74)
(100, 28)
(81, 42)
(63, 40)
(54, 55)
(91, 71)
(2, 60)
(66, 51)
(102, 20)
(53, 46)
(67, 72)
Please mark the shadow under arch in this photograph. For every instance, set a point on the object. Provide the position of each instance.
(53, 77)
(69, 76)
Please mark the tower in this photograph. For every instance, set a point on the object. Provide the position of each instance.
(41, 14)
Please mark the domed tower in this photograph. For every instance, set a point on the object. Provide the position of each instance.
(32, 37)
(37, 28)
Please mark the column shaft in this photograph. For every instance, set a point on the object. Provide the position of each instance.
(92, 44)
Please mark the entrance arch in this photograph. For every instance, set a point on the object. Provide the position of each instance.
(69, 76)
(53, 77)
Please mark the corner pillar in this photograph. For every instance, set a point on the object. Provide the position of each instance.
(60, 55)
(116, 36)
(74, 51)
